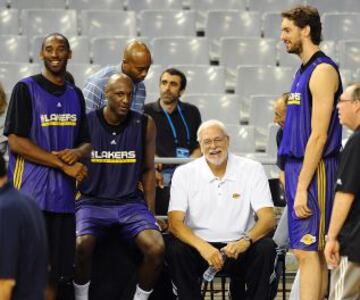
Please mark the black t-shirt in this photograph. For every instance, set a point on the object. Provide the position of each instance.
(348, 182)
(19, 115)
(23, 244)
(165, 142)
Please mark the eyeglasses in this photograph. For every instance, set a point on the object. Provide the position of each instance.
(217, 141)
(345, 100)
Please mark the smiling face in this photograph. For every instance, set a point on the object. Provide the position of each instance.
(214, 144)
(291, 35)
(55, 53)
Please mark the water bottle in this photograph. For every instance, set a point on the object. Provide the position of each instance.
(210, 272)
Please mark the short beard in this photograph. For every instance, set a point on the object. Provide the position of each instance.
(297, 49)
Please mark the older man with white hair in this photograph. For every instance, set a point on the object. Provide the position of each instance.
(219, 215)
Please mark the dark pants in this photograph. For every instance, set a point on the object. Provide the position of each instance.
(252, 268)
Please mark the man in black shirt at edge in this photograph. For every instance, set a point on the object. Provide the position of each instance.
(342, 249)
(177, 123)
(23, 269)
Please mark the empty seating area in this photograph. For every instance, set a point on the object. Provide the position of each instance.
(230, 50)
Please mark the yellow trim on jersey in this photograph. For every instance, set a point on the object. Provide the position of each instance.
(321, 187)
(113, 160)
(58, 123)
(18, 172)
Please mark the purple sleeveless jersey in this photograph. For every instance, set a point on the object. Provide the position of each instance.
(55, 126)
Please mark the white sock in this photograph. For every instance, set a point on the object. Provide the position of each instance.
(140, 294)
(81, 291)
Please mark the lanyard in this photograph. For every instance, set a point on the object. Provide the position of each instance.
(173, 127)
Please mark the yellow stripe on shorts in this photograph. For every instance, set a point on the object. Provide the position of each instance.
(321, 187)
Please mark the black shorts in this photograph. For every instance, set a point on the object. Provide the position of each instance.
(61, 241)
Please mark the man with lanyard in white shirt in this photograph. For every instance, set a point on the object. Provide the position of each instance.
(220, 207)
(177, 123)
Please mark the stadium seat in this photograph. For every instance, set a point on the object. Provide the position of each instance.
(170, 23)
(81, 72)
(242, 138)
(263, 80)
(14, 48)
(260, 116)
(79, 46)
(335, 5)
(44, 21)
(153, 78)
(9, 21)
(203, 79)
(38, 4)
(109, 50)
(230, 23)
(223, 107)
(3, 3)
(349, 54)
(244, 51)
(271, 26)
(138, 5)
(272, 5)
(347, 76)
(341, 26)
(203, 6)
(180, 50)
(10, 73)
(96, 4)
(109, 23)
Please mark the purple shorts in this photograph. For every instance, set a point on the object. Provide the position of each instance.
(132, 218)
(309, 234)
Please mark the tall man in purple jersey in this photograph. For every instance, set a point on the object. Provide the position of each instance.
(123, 153)
(310, 146)
(48, 134)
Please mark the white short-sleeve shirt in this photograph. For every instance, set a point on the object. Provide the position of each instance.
(220, 210)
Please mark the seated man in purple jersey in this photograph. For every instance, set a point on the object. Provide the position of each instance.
(48, 134)
(123, 155)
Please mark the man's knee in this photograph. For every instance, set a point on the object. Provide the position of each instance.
(84, 247)
(154, 248)
(265, 247)
(304, 256)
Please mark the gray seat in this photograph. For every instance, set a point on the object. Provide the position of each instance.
(271, 26)
(230, 23)
(14, 48)
(96, 4)
(341, 26)
(81, 72)
(9, 21)
(180, 50)
(242, 138)
(244, 51)
(335, 5)
(203, 6)
(265, 80)
(203, 79)
(10, 73)
(100, 23)
(138, 5)
(152, 79)
(286, 59)
(223, 107)
(79, 46)
(170, 23)
(349, 54)
(44, 21)
(35, 4)
(347, 76)
(108, 50)
(3, 3)
(272, 5)
(260, 116)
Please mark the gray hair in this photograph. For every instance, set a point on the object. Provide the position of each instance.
(211, 123)
(355, 95)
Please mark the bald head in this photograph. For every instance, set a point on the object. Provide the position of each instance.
(118, 78)
(136, 60)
